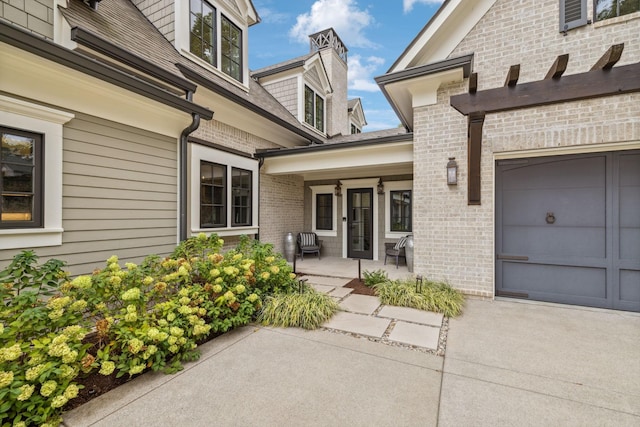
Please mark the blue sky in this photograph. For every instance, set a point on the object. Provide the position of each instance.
(375, 32)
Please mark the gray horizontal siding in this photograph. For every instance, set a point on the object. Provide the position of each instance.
(119, 195)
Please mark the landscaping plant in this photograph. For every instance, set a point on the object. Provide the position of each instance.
(307, 309)
(374, 277)
(41, 349)
(432, 296)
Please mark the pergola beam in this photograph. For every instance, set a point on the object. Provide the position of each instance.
(512, 76)
(558, 68)
(610, 57)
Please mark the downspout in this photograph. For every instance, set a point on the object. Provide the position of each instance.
(260, 163)
(184, 136)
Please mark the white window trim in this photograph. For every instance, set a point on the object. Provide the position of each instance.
(302, 106)
(324, 189)
(360, 183)
(36, 118)
(208, 154)
(182, 29)
(390, 186)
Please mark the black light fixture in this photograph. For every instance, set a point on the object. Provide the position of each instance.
(338, 190)
(380, 186)
(452, 171)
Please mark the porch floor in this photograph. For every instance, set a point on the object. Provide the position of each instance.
(348, 267)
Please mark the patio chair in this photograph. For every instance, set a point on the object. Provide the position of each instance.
(395, 250)
(309, 243)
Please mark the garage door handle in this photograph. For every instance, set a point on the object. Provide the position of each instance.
(513, 257)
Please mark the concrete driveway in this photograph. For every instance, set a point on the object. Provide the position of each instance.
(507, 363)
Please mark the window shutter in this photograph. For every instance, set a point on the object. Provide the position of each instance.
(573, 14)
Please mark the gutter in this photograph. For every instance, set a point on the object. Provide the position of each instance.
(27, 42)
(403, 137)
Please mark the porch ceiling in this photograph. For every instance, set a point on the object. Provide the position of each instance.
(364, 161)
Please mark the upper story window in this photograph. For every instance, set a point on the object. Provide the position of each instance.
(202, 37)
(355, 129)
(606, 9)
(21, 183)
(313, 109)
(231, 49)
(215, 39)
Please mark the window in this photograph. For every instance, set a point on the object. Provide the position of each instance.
(241, 188)
(202, 38)
(313, 109)
(605, 9)
(21, 183)
(222, 191)
(324, 211)
(213, 183)
(207, 29)
(231, 49)
(355, 129)
(400, 210)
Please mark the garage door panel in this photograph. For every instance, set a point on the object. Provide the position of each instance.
(630, 243)
(570, 206)
(630, 206)
(555, 279)
(629, 164)
(584, 172)
(630, 286)
(555, 242)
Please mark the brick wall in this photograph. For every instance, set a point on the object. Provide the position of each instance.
(34, 15)
(453, 241)
(161, 14)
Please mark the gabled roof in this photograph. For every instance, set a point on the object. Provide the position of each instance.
(443, 33)
(122, 24)
(354, 107)
(281, 66)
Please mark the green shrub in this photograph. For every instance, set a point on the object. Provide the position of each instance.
(433, 296)
(308, 309)
(41, 350)
(374, 277)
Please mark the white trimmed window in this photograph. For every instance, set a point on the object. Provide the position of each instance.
(324, 210)
(224, 192)
(31, 211)
(398, 208)
(313, 109)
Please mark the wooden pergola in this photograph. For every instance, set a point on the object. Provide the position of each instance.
(602, 80)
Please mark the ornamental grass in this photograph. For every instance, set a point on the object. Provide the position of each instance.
(431, 296)
(308, 309)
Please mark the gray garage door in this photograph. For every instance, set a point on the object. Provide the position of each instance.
(568, 229)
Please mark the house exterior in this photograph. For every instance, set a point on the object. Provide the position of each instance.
(129, 125)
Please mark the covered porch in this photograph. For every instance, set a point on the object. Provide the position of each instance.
(348, 267)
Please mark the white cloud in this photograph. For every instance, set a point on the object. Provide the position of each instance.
(271, 16)
(407, 5)
(361, 72)
(343, 16)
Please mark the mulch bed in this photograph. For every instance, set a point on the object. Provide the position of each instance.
(360, 288)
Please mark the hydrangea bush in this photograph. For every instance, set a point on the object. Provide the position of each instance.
(147, 316)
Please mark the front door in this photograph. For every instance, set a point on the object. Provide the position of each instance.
(360, 223)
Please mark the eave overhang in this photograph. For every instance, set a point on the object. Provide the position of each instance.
(418, 86)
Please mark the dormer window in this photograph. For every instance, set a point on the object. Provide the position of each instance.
(313, 109)
(214, 38)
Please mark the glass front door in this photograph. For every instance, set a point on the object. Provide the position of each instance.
(360, 223)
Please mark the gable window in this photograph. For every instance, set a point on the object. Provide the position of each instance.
(313, 109)
(241, 205)
(21, 183)
(213, 185)
(202, 38)
(324, 211)
(355, 129)
(231, 49)
(400, 210)
(605, 9)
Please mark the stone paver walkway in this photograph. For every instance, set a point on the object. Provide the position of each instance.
(365, 316)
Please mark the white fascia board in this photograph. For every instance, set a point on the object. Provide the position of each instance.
(33, 77)
(316, 62)
(444, 34)
(347, 158)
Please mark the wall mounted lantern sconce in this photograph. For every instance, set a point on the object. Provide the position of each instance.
(452, 171)
(338, 190)
(380, 186)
